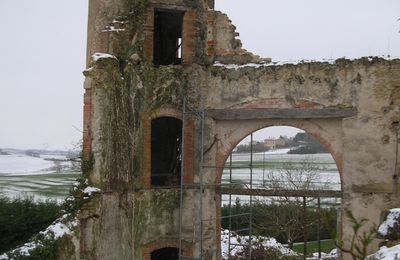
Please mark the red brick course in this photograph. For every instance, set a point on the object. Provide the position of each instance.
(87, 123)
(189, 36)
(148, 29)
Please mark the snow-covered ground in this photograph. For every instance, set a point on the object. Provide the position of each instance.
(386, 253)
(238, 244)
(388, 227)
(19, 163)
(59, 228)
(24, 164)
(390, 222)
(37, 177)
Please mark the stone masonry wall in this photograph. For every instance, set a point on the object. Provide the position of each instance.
(124, 91)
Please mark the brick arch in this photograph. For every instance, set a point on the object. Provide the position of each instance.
(222, 156)
(318, 128)
(147, 249)
(315, 127)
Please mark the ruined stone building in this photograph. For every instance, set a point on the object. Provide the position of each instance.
(169, 92)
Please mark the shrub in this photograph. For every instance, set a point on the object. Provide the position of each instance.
(21, 218)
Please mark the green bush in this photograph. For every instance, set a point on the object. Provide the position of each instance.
(266, 217)
(46, 250)
(21, 218)
(262, 252)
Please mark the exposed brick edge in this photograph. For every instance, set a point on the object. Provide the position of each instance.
(189, 36)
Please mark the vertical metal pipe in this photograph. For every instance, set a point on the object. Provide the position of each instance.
(230, 207)
(263, 179)
(305, 228)
(201, 184)
(319, 225)
(182, 173)
(251, 196)
(339, 229)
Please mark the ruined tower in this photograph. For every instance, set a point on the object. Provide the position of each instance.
(169, 92)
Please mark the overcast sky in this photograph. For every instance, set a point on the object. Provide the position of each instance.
(43, 46)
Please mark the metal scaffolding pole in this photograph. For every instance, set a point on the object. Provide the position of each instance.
(195, 186)
(182, 184)
(251, 196)
(263, 178)
(230, 208)
(201, 184)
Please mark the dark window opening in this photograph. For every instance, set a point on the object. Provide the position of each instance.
(166, 152)
(167, 37)
(167, 253)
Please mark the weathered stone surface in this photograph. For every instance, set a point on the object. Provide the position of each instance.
(124, 93)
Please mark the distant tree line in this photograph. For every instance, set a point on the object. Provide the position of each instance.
(3, 153)
(261, 147)
(305, 143)
(302, 143)
(258, 147)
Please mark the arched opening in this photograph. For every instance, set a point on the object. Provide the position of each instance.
(166, 253)
(279, 186)
(166, 152)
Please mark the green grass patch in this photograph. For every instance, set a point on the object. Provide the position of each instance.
(51, 185)
(312, 246)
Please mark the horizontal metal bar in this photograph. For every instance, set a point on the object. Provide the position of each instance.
(240, 230)
(235, 215)
(236, 244)
(283, 193)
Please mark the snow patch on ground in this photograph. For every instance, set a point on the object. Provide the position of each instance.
(18, 163)
(58, 229)
(390, 221)
(23, 164)
(332, 255)
(386, 253)
(238, 244)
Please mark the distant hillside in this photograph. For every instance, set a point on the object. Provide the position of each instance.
(38, 151)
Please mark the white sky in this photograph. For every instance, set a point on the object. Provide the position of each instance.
(43, 48)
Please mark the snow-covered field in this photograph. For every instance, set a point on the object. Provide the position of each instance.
(39, 177)
(271, 163)
(22, 164)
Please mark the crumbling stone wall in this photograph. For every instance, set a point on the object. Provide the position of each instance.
(124, 91)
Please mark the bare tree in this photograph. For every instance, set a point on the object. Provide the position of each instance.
(289, 217)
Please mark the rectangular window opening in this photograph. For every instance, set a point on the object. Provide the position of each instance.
(167, 37)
